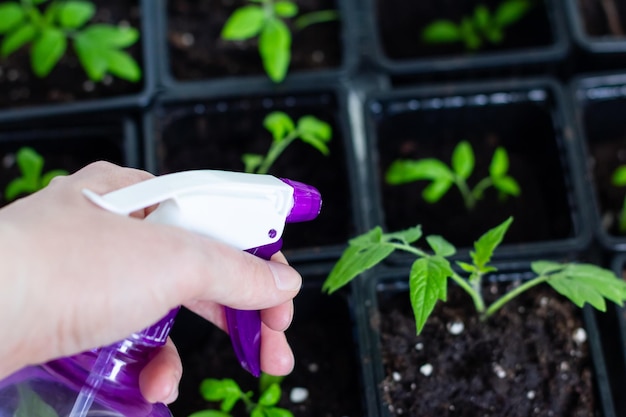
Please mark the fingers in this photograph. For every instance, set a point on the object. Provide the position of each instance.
(159, 380)
(276, 355)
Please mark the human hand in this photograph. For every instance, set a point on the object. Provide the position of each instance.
(77, 277)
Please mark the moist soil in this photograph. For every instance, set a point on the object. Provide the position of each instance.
(603, 17)
(325, 356)
(197, 51)
(67, 82)
(524, 361)
(606, 142)
(214, 135)
(401, 24)
(525, 129)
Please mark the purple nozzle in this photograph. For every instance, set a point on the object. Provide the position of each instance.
(307, 202)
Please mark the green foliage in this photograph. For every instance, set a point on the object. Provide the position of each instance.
(31, 166)
(428, 278)
(228, 393)
(284, 131)
(98, 46)
(442, 177)
(619, 180)
(31, 404)
(483, 26)
(268, 20)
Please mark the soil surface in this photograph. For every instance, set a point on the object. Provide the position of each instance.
(606, 142)
(525, 129)
(214, 135)
(603, 17)
(527, 360)
(19, 86)
(321, 338)
(197, 51)
(401, 24)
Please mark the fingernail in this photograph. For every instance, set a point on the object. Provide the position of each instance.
(286, 278)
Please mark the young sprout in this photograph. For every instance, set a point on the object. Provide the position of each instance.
(31, 165)
(228, 393)
(428, 279)
(482, 26)
(309, 129)
(443, 177)
(98, 46)
(619, 180)
(267, 20)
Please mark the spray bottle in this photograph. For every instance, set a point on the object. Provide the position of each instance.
(247, 211)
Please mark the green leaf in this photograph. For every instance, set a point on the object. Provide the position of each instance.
(258, 411)
(275, 49)
(48, 176)
(463, 159)
(122, 65)
(278, 412)
(315, 142)
(363, 253)
(31, 404)
(428, 284)
(73, 14)
(441, 31)
(209, 413)
(511, 11)
(546, 267)
(285, 8)
(93, 61)
(11, 15)
(251, 161)
(245, 22)
(18, 38)
(507, 185)
(619, 176)
(469, 36)
(436, 189)
(487, 243)
(499, 163)
(113, 37)
(265, 380)
(39, 1)
(405, 170)
(225, 390)
(279, 125)
(271, 395)
(408, 236)
(586, 283)
(315, 127)
(482, 17)
(17, 187)
(440, 246)
(30, 163)
(47, 49)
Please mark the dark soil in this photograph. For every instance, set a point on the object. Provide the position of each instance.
(401, 24)
(321, 339)
(66, 148)
(67, 82)
(603, 18)
(214, 135)
(606, 141)
(524, 361)
(197, 52)
(527, 130)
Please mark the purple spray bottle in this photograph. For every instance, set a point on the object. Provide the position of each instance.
(247, 211)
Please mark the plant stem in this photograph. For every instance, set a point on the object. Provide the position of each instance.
(468, 198)
(321, 16)
(481, 187)
(496, 305)
(477, 298)
(275, 150)
(408, 248)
